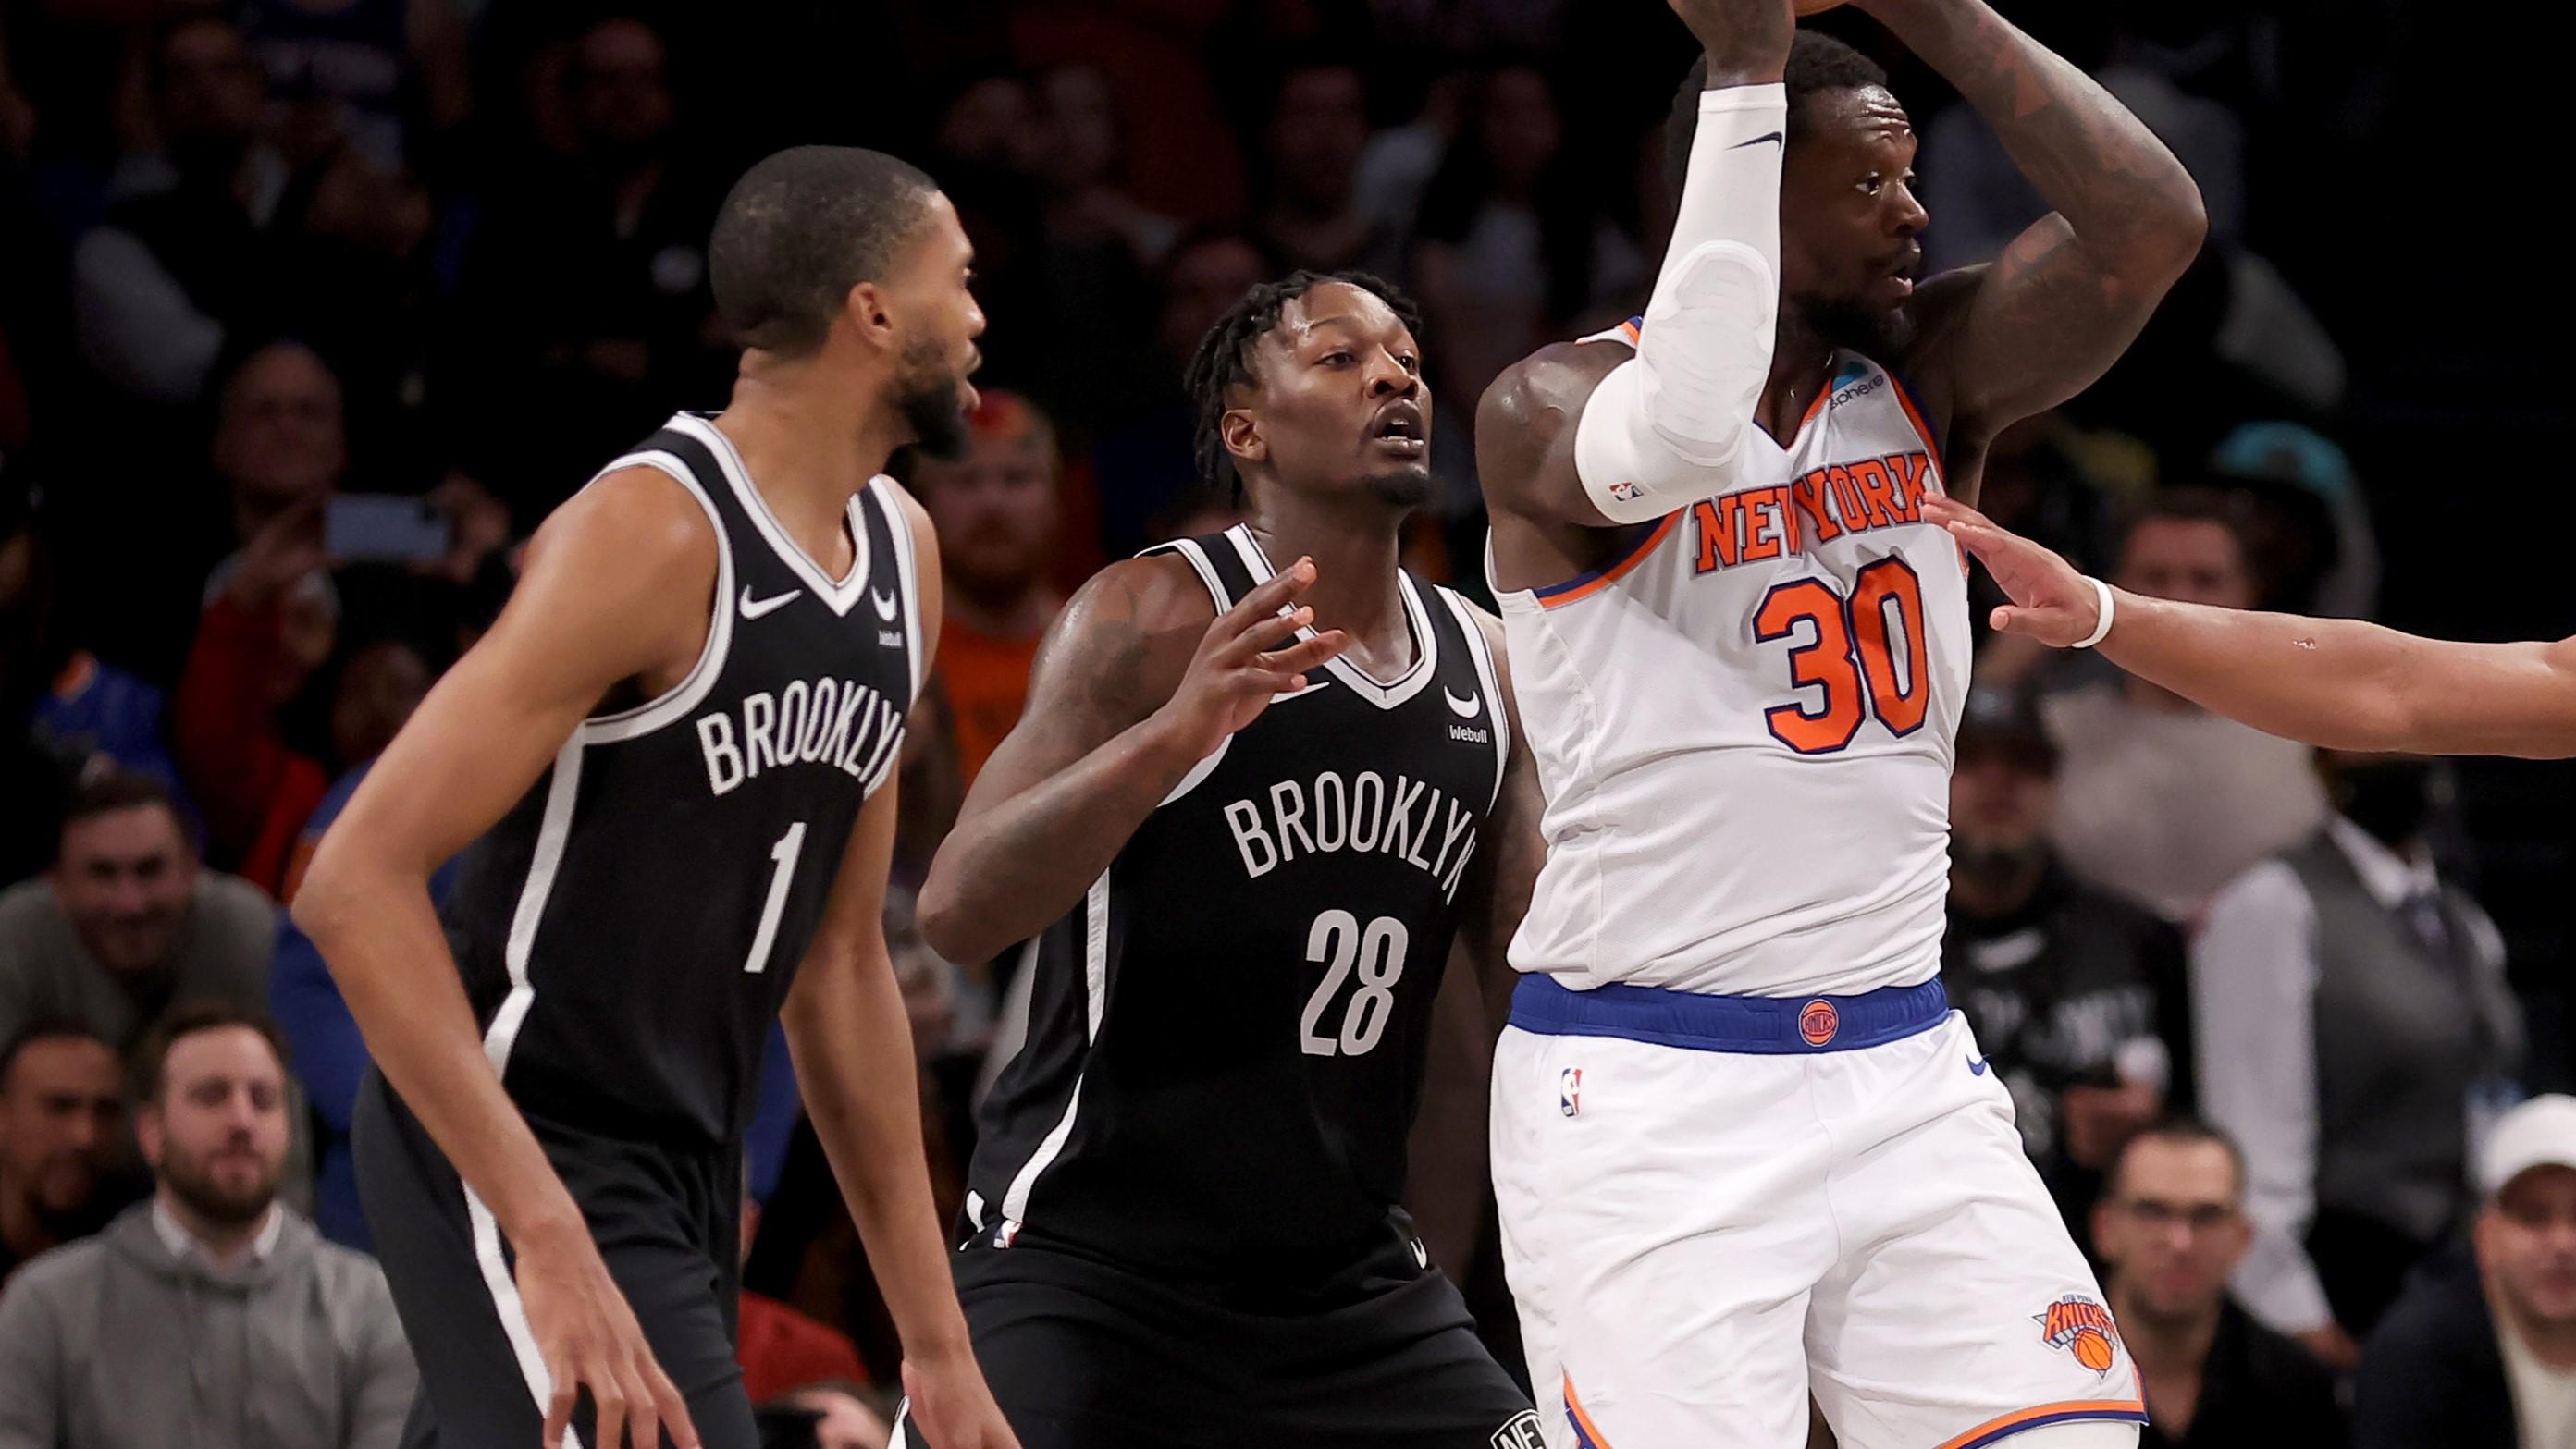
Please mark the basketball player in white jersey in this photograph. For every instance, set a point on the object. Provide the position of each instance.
(2339, 683)
(1744, 1151)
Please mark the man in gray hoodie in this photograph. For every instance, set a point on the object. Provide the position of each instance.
(213, 1316)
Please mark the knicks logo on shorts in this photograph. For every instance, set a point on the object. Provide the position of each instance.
(2081, 1327)
(1521, 1433)
(1818, 1022)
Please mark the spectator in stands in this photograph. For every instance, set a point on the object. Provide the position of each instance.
(2353, 1016)
(126, 923)
(281, 448)
(347, 72)
(997, 513)
(2076, 998)
(181, 259)
(1309, 214)
(213, 1315)
(1086, 199)
(782, 1350)
(2169, 1230)
(2158, 800)
(2483, 1352)
(1147, 476)
(585, 293)
(62, 1121)
(35, 775)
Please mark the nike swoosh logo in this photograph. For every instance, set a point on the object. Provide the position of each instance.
(1978, 1068)
(753, 608)
(1772, 136)
(885, 606)
(1463, 708)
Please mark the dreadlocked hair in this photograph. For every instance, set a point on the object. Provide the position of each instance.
(1224, 356)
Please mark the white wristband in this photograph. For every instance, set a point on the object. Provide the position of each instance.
(2101, 627)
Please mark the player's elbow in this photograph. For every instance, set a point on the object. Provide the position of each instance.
(947, 926)
(2173, 226)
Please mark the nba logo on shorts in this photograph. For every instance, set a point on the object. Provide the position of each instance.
(1569, 1097)
(1521, 1433)
(2082, 1327)
(1818, 1021)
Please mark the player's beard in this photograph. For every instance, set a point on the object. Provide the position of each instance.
(931, 396)
(1857, 328)
(1404, 488)
(218, 1202)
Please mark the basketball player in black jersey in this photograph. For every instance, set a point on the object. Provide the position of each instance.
(1244, 846)
(668, 764)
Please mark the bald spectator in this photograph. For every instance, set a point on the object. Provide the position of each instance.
(2170, 1228)
(2483, 1352)
(126, 923)
(2160, 801)
(213, 1316)
(62, 1118)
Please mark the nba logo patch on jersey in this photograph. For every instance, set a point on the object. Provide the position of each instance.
(1521, 1433)
(1819, 1022)
(2081, 1327)
(1569, 1091)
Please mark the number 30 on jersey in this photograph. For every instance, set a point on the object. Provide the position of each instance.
(1866, 654)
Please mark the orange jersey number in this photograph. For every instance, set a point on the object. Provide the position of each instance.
(1853, 653)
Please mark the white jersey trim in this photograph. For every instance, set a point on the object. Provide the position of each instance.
(1385, 694)
(1095, 1000)
(907, 573)
(1496, 705)
(1188, 548)
(839, 596)
(681, 699)
(563, 789)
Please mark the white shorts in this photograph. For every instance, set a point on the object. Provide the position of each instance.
(1715, 1206)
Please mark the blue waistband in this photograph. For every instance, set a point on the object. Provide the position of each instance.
(1763, 1025)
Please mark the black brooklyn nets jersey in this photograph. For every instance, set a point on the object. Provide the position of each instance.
(628, 932)
(1226, 1037)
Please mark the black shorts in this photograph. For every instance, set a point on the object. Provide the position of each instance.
(665, 1221)
(1086, 1356)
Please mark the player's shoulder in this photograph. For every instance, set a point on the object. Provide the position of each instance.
(1552, 379)
(641, 513)
(1130, 630)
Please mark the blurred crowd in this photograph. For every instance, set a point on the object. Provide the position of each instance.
(312, 309)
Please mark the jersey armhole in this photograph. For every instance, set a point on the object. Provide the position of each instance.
(907, 578)
(677, 701)
(1491, 678)
(1188, 548)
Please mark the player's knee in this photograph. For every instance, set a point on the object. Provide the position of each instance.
(2099, 1434)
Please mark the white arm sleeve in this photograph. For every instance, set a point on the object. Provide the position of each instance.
(1666, 426)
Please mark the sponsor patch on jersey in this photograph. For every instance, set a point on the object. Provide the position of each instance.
(1569, 1091)
(1521, 1433)
(2083, 1328)
(1819, 1022)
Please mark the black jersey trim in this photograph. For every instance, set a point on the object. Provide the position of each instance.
(1384, 693)
(1095, 1001)
(1481, 655)
(907, 576)
(677, 701)
(839, 596)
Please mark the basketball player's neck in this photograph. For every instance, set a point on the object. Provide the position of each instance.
(1355, 544)
(808, 451)
(1801, 367)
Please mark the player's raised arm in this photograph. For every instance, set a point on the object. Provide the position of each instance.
(1132, 687)
(866, 1104)
(2067, 297)
(1590, 436)
(616, 588)
(2339, 683)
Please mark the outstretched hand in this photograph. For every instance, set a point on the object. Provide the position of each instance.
(2051, 602)
(1747, 40)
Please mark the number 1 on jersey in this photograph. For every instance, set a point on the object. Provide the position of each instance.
(789, 846)
(1337, 941)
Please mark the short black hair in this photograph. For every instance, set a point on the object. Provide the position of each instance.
(152, 1058)
(803, 227)
(45, 1028)
(112, 790)
(2190, 1130)
(1224, 356)
(1818, 64)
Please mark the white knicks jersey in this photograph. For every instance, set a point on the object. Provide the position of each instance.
(1744, 724)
